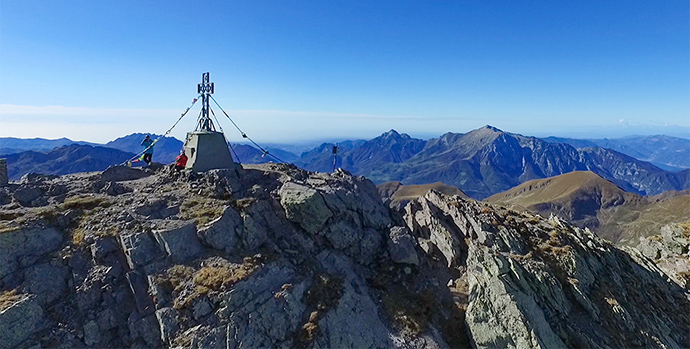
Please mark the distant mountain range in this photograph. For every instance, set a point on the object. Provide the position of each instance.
(588, 200)
(666, 152)
(481, 162)
(10, 145)
(247, 154)
(487, 161)
(64, 160)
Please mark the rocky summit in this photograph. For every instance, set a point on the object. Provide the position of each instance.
(275, 256)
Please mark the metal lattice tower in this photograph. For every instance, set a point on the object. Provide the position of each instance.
(205, 88)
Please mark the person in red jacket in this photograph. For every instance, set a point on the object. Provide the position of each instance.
(181, 161)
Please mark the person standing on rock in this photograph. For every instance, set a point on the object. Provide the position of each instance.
(147, 143)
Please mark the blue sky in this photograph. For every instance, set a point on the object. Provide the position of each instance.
(303, 70)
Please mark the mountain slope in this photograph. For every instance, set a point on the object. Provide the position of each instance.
(273, 256)
(399, 195)
(248, 154)
(486, 161)
(666, 152)
(11, 145)
(164, 152)
(63, 160)
(588, 200)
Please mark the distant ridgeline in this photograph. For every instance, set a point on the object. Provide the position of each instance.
(482, 162)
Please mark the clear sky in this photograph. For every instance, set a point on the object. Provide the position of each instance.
(303, 70)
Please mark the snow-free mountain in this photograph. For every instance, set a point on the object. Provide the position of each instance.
(482, 162)
(487, 161)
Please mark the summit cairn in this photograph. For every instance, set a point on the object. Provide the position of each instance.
(206, 148)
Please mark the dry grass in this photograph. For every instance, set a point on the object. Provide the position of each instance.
(243, 203)
(217, 278)
(8, 298)
(174, 278)
(201, 210)
(86, 202)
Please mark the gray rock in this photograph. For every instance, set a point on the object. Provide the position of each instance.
(670, 251)
(19, 321)
(102, 246)
(343, 234)
(401, 246)
(26, 195)
(201, 308)
(354, 322)
(179, 239)
(209, 338)
(114, 189)
(138, 284)
(47, 282)
(370, 246)
(146, 328)
(256, 228)
(140, 248)
(24, 246)
(156, 208)
(222, 233)
(502, 316)
(304, 206)
(92, 334)
(167, 320)
(260, 313)
(122, 173)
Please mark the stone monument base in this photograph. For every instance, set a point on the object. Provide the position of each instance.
(207, 150)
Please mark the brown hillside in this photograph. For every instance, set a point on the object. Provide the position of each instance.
(400, 194)
(588, 200)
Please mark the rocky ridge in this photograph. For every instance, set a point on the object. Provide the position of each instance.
(670, 250)
(275, 256)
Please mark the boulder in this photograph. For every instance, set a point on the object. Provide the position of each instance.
(401, 246)
(48, 282)
(305, 206)
(23, 247)
(179, 239)
(92, 334)
(343, 233)
(146, 328)
(27, 194)
(122, 173)
(139, 248)
(222, 233)
(354, 321)
(20, 320)
(259, 220)
(167, 320)
(103, 246)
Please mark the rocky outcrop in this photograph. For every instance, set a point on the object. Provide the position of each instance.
(543, 283)
(670, 251)
(20, 320)
(274, 256)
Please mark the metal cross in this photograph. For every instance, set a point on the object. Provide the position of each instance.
(204, 86)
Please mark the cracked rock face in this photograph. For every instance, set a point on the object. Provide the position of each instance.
(274, 256)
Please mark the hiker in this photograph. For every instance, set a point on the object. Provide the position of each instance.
(181, 161)
(147, 143)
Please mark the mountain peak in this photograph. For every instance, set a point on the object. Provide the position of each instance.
(490, 128)
(390, 134)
